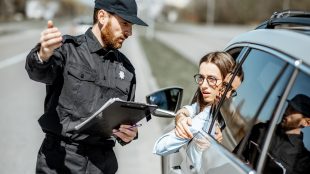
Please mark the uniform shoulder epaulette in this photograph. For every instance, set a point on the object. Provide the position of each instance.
(77, 40)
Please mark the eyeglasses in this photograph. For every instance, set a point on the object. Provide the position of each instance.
(211, 80)
(233, 92)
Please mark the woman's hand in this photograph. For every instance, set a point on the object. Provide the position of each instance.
(182, 123)
(202, 143)
(218, 134)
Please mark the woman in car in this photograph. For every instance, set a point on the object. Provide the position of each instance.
(213, 68)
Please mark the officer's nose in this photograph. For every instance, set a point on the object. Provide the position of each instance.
(128, 31)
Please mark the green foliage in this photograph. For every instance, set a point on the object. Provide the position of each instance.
(170, 68)
(241, 11)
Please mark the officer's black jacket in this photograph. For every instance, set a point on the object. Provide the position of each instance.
(80, 77)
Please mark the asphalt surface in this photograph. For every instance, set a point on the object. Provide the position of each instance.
(195, 41)
(21, 104)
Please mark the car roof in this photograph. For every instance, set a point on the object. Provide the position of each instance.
(290, 42)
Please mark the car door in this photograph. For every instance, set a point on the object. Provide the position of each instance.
(265, 78)
(288, 156)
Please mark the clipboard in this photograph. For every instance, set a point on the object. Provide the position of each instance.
(112, 114)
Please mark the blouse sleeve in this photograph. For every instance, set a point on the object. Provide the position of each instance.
(192, 109)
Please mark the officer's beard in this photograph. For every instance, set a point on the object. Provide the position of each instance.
(108, 38)
(290, 125)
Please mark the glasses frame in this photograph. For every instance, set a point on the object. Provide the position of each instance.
(214, 84)
(208, 78)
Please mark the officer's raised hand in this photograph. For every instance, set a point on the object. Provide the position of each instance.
(50, 40)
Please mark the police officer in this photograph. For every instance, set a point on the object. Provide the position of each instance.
(81, 73)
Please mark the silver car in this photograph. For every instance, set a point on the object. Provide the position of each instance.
(275, 60)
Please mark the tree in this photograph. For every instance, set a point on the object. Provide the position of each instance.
(6, 9)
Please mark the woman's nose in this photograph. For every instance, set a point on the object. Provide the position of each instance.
(205, 83)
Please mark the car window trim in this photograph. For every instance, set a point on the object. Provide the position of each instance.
(304, 67)
(276, 116)
(263, 103)
(242, 56)
(289, 61)
(279, 53)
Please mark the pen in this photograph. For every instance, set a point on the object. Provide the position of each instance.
(135, 125)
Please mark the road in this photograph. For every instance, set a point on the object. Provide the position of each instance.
(22, 99)
(194, 41)
(22, 104)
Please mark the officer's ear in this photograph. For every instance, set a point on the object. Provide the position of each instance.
(103, 17)
(305, 122)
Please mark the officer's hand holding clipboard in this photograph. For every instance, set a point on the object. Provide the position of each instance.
(126, 132)
(116, 117)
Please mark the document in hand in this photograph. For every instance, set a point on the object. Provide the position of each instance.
(114, 113)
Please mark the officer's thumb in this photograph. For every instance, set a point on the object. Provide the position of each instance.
(50, 24)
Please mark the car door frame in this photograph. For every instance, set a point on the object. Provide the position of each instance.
(280, 106)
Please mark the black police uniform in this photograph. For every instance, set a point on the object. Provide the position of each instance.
(80, 77)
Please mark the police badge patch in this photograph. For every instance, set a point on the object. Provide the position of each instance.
(121, 75)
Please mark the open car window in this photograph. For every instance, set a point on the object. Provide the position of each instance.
(239, 112)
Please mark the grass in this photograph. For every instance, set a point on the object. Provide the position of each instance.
(169, 67)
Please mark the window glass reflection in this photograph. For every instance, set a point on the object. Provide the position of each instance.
(260, 70)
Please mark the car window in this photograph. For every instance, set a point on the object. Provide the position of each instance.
(302, 86)
(260, 71)
(286, 152)
(235, 52)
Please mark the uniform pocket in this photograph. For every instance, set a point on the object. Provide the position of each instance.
(79, 90)
(81, 73)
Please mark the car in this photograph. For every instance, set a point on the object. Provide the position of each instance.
(275, 60)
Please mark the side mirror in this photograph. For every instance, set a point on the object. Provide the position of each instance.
(168, 101)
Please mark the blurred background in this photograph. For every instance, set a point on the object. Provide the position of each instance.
(193, 11)
(164, 54)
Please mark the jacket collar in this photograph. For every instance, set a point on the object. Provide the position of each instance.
(293, 139)
(92, 42)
